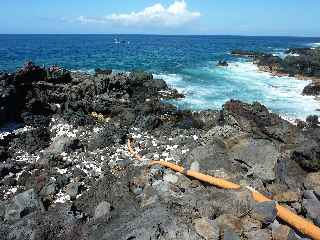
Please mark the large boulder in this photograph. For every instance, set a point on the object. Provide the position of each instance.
(259, 155)
(258, 120)
(212, 156)
(256, 113)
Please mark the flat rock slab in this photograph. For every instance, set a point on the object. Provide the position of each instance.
(210, 157)
(258, 154)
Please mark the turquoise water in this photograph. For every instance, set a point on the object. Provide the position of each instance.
(185, 62)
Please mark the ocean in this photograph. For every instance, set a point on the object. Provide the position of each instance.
(187, 63)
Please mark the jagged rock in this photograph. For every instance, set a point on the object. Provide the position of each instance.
(30, 73)
(265, 212)
(22, 205)
(313, 89)
(256, 119)
(207, 228)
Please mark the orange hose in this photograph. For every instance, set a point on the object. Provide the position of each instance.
(297, 222)
(202, 177)
(205, 178)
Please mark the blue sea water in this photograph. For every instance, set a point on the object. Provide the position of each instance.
(185, 62)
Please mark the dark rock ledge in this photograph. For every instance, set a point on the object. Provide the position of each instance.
(66, 173)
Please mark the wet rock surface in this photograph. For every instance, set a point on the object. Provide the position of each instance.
(66, 173)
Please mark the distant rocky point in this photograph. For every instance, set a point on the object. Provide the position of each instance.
(299, 62)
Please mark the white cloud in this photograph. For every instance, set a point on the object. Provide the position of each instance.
(174, 15)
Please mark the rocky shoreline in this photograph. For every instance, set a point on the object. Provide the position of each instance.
(67, 173)
(301, 63)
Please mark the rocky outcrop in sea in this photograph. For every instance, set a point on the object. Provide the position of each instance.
(66, 172)
(299, 62)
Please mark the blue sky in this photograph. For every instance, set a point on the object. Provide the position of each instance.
(234, 17)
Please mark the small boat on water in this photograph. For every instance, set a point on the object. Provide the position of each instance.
(116, 41)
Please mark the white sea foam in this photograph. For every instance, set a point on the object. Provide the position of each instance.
(211, 87)
(90, 71)
(316, 44)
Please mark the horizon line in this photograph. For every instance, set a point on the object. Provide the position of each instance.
(155, 34)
